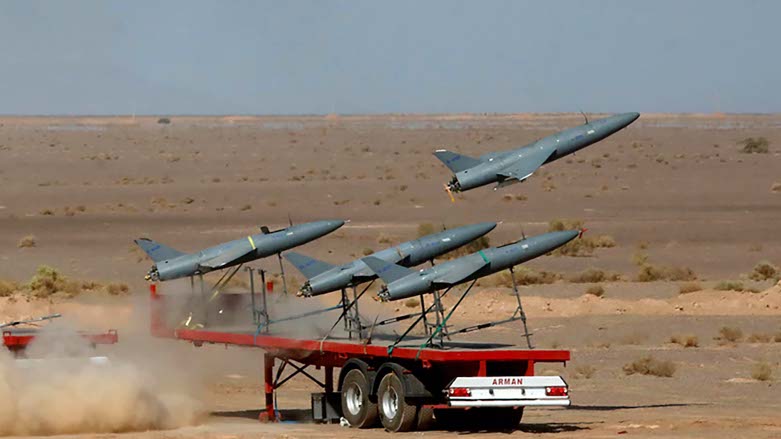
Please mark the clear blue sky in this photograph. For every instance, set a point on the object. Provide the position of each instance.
(301, 57)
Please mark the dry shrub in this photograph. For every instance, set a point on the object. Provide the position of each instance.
(47, 281)
(594, 275)
(650, 273)
(776, 187)
(764, 270)
(677, 274)
(412, 303)
(758, 145)
(648, 365)
(384, 239)
(687, 341)
(367, 251)
(585, 245)
(728, 334)
(689, 287)
(604, 241)
(585, 371)
(117, 289)
(507, 197)
(596, 290)
(27, 242)
(777, 337)
(8, 288)
(729, 285)
(46, 212)
(523, 276)
(759, 338)
(761, 372)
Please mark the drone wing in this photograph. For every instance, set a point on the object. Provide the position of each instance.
(529, 160)
(226, 257)
(468, 267)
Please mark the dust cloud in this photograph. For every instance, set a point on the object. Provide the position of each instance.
(60, 389)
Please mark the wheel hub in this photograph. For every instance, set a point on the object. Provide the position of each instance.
(390, 403)
(354, 399)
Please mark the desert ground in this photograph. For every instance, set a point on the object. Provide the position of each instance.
(683, 217)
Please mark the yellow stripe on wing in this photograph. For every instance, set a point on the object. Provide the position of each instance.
(252, 243)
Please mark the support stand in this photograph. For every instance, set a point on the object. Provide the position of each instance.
(520, 311)
(412, 326)
(346, 307)
(260, 316)
(273, 381)
(441, 327)
(439, 312)
(282, 271)
(518, 314)
(423, 311)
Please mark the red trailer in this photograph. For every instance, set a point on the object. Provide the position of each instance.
(17, 340)
(403, 388)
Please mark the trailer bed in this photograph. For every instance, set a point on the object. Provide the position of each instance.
(301, 349)
(504, 373)
(17, 340)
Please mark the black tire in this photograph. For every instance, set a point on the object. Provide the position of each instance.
(425, 418)
(357, 408)
(396, 414)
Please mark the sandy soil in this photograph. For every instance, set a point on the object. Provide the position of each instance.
(674, 187)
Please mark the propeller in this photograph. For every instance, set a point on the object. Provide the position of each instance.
(581, 232)
(289, 220)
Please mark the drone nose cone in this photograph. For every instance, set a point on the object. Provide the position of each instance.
(623, 120)
(336, 223)
(329, 226)
(557, 239)
(480, 229)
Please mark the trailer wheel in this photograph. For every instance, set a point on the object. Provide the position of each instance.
(357, 408)
(395, 413)
(425, 418)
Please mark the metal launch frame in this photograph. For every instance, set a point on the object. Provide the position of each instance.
(435, 328)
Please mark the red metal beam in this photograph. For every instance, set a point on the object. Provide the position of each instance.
(330, 352)
(20, 341)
